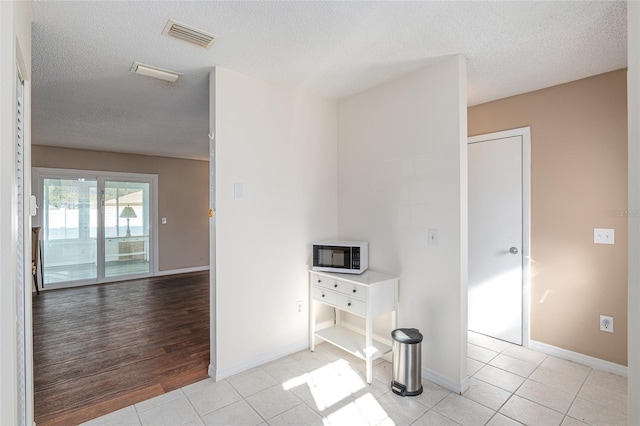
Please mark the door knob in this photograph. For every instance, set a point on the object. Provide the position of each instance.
(513, 250)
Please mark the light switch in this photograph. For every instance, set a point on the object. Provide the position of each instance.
(433, 237)
(164, 220)
(238, 190)
(603, 236)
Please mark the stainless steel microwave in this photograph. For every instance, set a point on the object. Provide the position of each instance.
(347, 257)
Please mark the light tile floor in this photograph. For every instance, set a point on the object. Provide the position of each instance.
(509, 385)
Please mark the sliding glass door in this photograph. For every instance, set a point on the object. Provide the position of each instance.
(69, 230)
(96, 226)
(126, 228)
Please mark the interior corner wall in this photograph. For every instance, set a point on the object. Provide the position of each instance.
(276, 193)
(633, 99)
(402, 170)
(578, 183)
(183, 197)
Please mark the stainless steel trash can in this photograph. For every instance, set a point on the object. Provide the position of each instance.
(407, 362)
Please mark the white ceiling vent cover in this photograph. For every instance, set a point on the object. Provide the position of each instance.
(155, 72)
(189, 34)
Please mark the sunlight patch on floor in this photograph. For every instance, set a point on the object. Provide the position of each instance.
(337, 394)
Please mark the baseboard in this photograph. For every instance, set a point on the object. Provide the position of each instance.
(258, 361)
(427, 374)
(590, 361)
(438, 379)
(182, 270)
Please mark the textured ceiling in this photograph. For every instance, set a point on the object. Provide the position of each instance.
(84, 95)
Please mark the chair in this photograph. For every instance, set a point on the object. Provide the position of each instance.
(36, 257)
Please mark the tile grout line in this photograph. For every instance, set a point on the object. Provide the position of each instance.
(578, 393)
(497, 411)
(191, 404)
(137, 413)
(564, 415)
(516, 390)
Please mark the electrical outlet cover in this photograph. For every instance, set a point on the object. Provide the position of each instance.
(604, 236)
(606, 323)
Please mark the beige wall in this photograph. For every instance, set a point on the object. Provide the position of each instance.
(578, 182)
(183, 197)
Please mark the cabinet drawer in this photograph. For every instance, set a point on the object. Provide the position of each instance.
(346, 288)
(351, 304)
(323, 295)
(353, 290)
(325, 282)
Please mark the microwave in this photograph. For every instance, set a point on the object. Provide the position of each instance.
(347, 257)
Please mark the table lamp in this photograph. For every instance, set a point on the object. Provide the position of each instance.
(128, 213)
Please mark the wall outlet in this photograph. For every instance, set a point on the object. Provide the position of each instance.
(299, 305)
(606, 323)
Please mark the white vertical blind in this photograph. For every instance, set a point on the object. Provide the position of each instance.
(20, 275)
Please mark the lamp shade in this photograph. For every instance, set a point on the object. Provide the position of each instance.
(128, 213)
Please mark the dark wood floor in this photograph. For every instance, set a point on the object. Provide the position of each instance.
(101, 348)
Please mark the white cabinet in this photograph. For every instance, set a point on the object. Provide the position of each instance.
(367, 295)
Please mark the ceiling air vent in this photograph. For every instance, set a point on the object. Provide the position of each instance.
(190, 34)
(155, 72)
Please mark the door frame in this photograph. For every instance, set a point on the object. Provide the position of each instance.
(38, 173)
(525, 137)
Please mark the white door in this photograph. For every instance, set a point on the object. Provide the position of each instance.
(496, 236)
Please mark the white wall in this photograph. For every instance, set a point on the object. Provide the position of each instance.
(280, 143)
(633, 90)
(15, 29)
(402, 170)
(213, 323)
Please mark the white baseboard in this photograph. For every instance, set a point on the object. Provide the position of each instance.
(182, 270)
(590, 361)
(272, 356)
(258, 361)
(438, 379)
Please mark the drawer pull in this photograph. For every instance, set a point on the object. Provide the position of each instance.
(319, 281)
(349, 304)
(354, 290)
(322, 294)
(335, 285)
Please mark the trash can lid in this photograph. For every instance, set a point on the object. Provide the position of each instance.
(407, 335)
